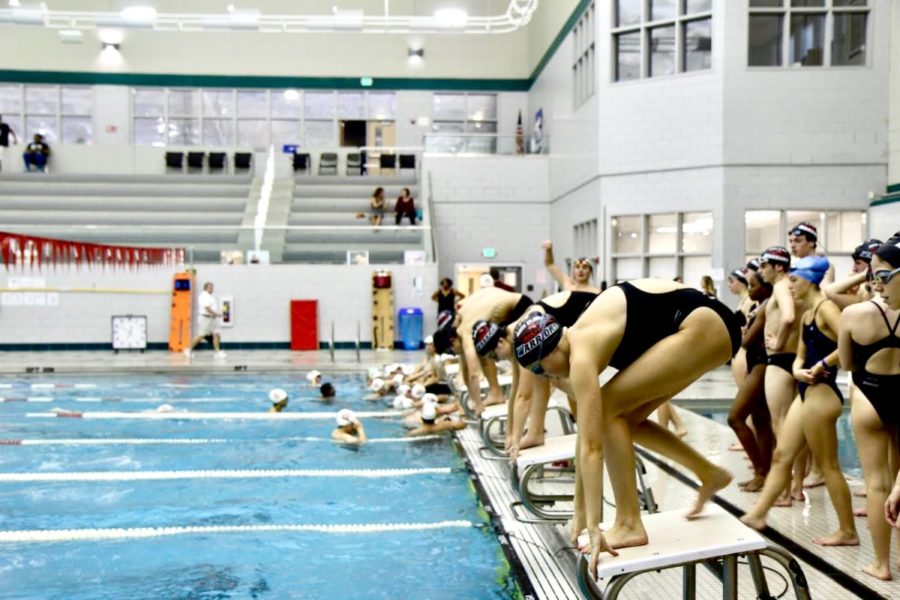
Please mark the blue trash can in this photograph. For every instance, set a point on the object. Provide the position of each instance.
(410, 320)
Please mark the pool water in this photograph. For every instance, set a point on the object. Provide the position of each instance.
(459, 558)
(847, 454)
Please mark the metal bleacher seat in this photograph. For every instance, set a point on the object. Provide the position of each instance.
(195, 161)
(242, 161)
(328, 163)
(407, 161)
(387, 162)
(217, 161)
(354, 163)
(301, 162)
(175, 161)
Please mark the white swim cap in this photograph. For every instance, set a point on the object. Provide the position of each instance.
(429, 339)
(165, 408)
(403, 389)
(346, 416)
(418, 391)
(429, 399)
(402, 403)
(389, 369)
(398, 379)
(374, 372)
(429, 412)
(377, 385)
(407, 369)
(311, 376)
(277, 395)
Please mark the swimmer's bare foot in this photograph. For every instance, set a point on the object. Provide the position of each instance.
(814, 480)
(798, 496)
(716, 480)
(838, 538)
(753, 522)
(754, 485)
(681, 432)
(862, 511)
(532, 439)
(878, 572)
(626, 537)
(784, 501)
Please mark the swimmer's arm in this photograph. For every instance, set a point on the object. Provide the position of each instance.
(845, 340)
(519, 415)
(837, 292)
(832, 315)
(458, 294)
(435, 296)
(361, 438)
(756, 329)
(344, 438)
(511, 403)
(470, 367)
(584, 377)
(785, 301)
(797, 369)
(555, 271)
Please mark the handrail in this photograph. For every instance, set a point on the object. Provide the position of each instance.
(431, 220)
(97, 227)
(358, 358)
(331, 343)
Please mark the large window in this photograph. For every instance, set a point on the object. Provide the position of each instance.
(655, 38)
(664, 245)
(465, 114)
(583, 79)
(251, 118)
(840, 232)
(807, 33)
(59, 113)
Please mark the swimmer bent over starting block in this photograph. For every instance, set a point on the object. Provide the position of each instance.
(661, 336)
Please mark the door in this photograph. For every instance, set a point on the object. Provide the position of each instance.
(379, 134)
(468, 276)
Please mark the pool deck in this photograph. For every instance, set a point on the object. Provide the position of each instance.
(541, 552)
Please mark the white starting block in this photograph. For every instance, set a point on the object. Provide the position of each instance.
(715, 539)
(493, 421)
(531, 464)
(504, 381)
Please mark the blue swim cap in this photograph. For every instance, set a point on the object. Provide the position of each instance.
(811, 268)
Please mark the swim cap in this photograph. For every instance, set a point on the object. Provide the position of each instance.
(311, 376)
(277, 395)
(429, 412)
(753, 264)
(397, 379)
(429, 399)
(428, 340)
(811, 268)
(443, 341)
(776, 255)
(377, 384)
(402, 403)
(407, 369)
(445, 319)
(346, 416)
(536, 337)
(418, 391)
(738, 275)
(485, 334)
(807, 230)
(866, 250)
(403, 389)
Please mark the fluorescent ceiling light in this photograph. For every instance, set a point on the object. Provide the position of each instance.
(24, 15)
(243, 19)
(450, 18)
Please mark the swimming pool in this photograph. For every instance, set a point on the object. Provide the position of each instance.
(254, 508)
(847, 454)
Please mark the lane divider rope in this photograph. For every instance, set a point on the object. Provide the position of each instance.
(68, 535)
(192, 441)
(91, 476)
(191, 415)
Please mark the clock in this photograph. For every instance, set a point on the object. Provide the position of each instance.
(129, 332)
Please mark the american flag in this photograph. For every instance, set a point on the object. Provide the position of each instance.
(520, 140)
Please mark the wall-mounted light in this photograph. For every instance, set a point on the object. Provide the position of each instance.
(109, 46)
(416, 52)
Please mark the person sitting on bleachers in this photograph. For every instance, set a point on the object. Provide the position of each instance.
(36, 154)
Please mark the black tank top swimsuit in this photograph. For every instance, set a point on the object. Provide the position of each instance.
(883, 391)
(447, 301)
(653, 317)
(756, 351)
(568, 313)
(518, 310)
(818, 347)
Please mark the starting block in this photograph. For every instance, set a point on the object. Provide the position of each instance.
(715, 539)
(493, 422)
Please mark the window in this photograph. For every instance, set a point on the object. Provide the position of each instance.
(59, 113)
(840, 231)
(473, 114)
(820, 33)
(583, 80)
(663, 245)
(657, 38)
(585, 238)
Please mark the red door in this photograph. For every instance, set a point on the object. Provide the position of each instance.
(304, 325)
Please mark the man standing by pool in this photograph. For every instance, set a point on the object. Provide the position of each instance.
(209, 314)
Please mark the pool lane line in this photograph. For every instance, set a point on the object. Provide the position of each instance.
(191, 415)
(192, 441)
(94, 476)
(70, 535)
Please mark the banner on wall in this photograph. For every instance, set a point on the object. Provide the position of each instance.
(20, 251)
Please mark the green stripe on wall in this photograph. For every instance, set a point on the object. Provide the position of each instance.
(893, 188)
(889, 199)
(558, 40)
(252, 81)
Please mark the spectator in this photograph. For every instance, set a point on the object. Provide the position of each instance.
(209, 321)
(446, 296)
(707, 287)
(36, 154)
(377, 204)
(5, 132)
(405, 208)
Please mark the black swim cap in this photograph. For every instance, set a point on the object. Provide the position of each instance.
(486, 335)
(753, 264)
(738, 275)
(536, 336)
(776, 255)
(807, 230)
(445, 319)
(866, 250)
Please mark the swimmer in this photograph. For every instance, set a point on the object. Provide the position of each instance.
(661, 336)
(869, 347)
(314, 378)
(327, 391)
(279, 399)
(349, 430)
(432, 424)
(582, 272)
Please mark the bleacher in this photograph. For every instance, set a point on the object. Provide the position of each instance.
(330, 201)
(203, 211)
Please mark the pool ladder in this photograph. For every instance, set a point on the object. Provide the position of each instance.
(357, 343)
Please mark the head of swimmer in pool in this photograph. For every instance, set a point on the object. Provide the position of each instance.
(758, 289)
(542, 345)
(806, 276)
(582, 270)
(327, 390)
(886, 272)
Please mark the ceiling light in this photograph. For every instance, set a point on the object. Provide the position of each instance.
(416, 52)
(348, 20)
(243, 19)
(110, 36)
(23, 15)
(139, 15)
(70, 36)
(291, 95)
(450, 18)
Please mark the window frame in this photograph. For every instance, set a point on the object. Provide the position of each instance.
(20, 117)
(644, 255)
(584, 77)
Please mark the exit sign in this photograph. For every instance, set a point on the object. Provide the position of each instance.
(489, 252)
